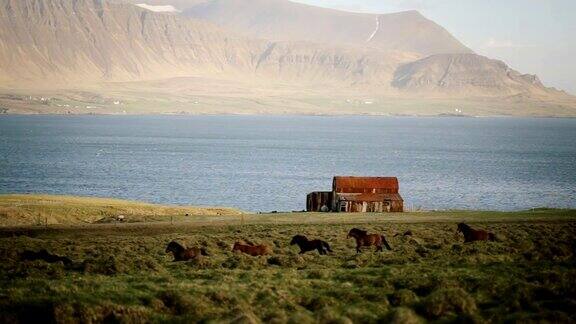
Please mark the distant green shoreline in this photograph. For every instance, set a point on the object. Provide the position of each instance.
(17, 210)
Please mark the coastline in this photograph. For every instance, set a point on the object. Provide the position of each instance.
(232, 114)
(58, 211)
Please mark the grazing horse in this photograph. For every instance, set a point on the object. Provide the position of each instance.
(471, 235)
(183, 254)
(365, 239)
(307, 245)
(253, 250)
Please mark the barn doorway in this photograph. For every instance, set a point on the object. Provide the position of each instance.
(387, 205)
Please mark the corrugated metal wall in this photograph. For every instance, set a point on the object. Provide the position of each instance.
(315, 201)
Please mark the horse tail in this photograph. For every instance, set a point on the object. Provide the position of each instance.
(326, 246)
(203, 252)
(385, 243)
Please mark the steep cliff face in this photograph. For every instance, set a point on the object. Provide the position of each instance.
(67, 41)
(96, 40)
(336, 65)
(466, 74)
(288, 21)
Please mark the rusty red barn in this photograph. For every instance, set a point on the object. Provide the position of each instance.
(358, 194)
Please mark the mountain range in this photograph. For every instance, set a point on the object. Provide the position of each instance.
(249, 56)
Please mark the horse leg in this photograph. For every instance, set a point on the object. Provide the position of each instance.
(326, 246)
(358, 251)
(379, 248)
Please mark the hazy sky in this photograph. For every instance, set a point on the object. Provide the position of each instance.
(532, 36)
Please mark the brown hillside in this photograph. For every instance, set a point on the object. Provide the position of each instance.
(283, 20)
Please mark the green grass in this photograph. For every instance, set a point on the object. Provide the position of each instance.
(121, 272)
(27, 210)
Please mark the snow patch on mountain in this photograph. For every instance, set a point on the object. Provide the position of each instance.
(375, 30)
(167, 8)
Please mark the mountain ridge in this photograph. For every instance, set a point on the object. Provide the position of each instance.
(121, 51)
(289, 21)
(453, 72)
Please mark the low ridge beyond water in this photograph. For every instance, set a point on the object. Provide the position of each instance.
(263, 163)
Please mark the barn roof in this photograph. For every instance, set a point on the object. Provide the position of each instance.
(366, 184)
(369, 197)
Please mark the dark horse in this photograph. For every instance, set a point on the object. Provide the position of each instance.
(44, 256)
(183, 254)
(253, 250)
(365, 239)
(471, 235)
(307, 245)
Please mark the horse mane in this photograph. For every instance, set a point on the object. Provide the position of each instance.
(359, 231)
(297, 239)
(464, 227)
(177, 247)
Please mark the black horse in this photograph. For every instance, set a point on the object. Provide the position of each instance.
(307, 245)
(44, 256)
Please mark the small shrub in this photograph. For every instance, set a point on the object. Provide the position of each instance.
(403, 297)
(287, 261)
(329, 315)
(316, 303)
(105, 265)
(404, 315)
(450, 300)
(191, 307)
(244, 316)
(134, 314)
(240, 261)
(318, 274)
(301, 317)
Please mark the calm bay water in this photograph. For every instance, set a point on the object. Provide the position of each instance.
(263, 163)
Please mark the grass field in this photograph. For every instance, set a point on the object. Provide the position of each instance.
(121, 273)
(30, 210)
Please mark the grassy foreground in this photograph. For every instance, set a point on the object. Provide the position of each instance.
(29, 210)
(121, 273)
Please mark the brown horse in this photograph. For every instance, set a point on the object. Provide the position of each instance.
(471, 235)
(309, 245)
(253, 250)
(181, 253)
(365, 239)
